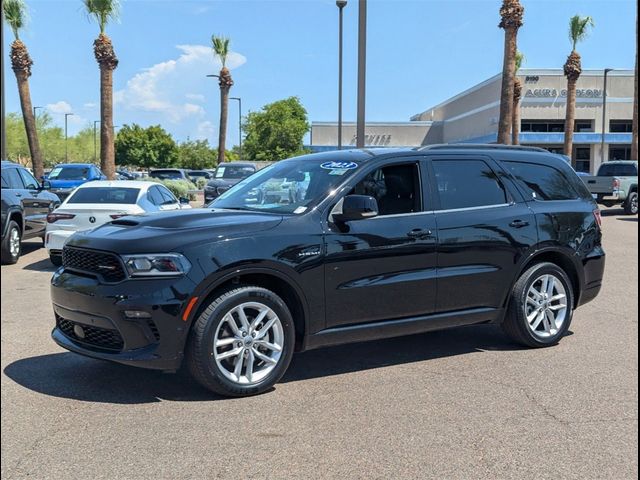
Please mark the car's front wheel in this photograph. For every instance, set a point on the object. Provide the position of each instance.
(242, 343)
(11, 244)
(541, 306)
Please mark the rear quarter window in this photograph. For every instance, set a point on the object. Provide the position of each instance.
(542, 182)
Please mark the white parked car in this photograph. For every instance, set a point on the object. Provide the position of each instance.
(96, 203)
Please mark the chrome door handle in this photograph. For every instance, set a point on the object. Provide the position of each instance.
(419, 233)
(519, 224)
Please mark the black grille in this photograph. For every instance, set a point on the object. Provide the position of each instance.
(154, 329)
(93, 336)
(106, 265)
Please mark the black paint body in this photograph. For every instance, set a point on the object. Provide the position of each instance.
(362, 280)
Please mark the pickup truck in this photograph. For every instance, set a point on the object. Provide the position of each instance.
(616, 184)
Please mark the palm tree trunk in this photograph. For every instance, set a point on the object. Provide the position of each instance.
(634, 131)
(224, 111)
(30, 124)
(515, 112)
(107, 150)
(570, 119)
(506, 95)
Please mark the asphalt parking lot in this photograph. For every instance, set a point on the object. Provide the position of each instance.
(462, 403)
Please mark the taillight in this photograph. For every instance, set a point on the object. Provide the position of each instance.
(616, 183)
(54, 217)
(598, 217)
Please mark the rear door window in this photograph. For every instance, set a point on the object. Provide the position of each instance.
(467, 184)
(167, 197)
(12, 178)
(155, 196)
(541, 182)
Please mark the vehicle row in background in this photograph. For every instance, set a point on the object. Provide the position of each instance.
(615, 184)
(226, 176)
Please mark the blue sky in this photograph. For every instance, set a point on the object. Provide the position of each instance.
(419, 53)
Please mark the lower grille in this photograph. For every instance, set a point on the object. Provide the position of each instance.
(154, 329)
(92, 336)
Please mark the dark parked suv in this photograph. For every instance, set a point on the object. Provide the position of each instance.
(25, 205)
(374, 243)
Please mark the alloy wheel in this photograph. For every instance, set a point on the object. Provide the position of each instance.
(248, 343)
(14, 242)
(546, 306)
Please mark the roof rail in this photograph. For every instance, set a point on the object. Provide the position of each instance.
(488, 146)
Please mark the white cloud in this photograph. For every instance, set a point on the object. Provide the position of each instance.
(59, 108)
(205, 130)
(90, 105)
(161, 88)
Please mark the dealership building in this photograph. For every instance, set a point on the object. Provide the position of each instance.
(472, 117)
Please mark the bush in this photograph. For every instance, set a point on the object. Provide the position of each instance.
(180, 188)
(201, 182)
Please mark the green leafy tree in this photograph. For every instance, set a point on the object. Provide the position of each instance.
(276, 132)
(196, 154)
(15, 14)
(150, 147)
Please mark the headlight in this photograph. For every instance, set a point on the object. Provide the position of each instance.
(156, 265)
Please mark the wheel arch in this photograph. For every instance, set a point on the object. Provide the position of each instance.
(17, 216)
(276, 281)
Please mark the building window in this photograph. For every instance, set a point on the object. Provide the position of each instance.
(620, 126)
(583, 159)
(554, 126)
(620, 152)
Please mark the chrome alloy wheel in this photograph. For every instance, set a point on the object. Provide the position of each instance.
(248, 343)
(14, 242)
(546, 306)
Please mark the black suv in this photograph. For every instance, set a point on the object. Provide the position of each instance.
(226, 176)
(346, 246)
(25, 205)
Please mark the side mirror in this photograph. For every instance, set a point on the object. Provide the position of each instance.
(46, 185)
(356, 207)
(183, 201)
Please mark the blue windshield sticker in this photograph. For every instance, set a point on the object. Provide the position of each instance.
(339, 165)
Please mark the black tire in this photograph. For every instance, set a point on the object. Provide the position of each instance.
(199, 354)
(56, 259)
(9, 258)
(631, 205)
(515, 324)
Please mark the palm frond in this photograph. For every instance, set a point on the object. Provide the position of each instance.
(520, 58)
(15, 14)
(103, 11)
(579, 29)
(220, 47)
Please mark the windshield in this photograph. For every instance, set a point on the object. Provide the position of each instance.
(69, 173)
(234, 171)
(288, 186)
(105, 195)
(166, 174)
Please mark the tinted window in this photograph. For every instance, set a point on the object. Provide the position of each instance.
(155, 196)
(105, 195)
(70, 173)
(12, 178)
(467, 183)
(396, 188)
(234, 171)
(167, 196)
(29, 180)
(542, 182)
(618, 170)
(167, 174)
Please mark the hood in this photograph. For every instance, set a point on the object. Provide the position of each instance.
(66, 183)
(173, 231)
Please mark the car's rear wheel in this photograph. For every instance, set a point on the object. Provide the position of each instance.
(631, 205)
(12, 244)
(242, 343)
(541, 306)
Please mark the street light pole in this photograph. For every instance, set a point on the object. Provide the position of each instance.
(35, 115)
(66, 137)
(239, 121)
(362, 70)
(95, 140)
(340, 4)
(604, 113)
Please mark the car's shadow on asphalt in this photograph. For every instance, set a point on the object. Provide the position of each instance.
(72, 376)
(628, 219)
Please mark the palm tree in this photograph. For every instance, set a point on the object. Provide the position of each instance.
(517, 94)
(103, 11)
(15, 13)
(511, 13)
(634, 131)
(221, 50)
(578, 31)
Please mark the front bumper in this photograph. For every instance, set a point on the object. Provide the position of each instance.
(90, 319)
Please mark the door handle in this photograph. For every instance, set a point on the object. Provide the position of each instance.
(18, 194)
(519, 224)
(419, 233)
